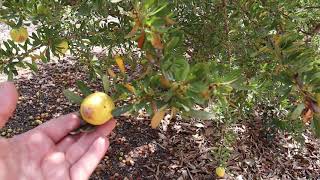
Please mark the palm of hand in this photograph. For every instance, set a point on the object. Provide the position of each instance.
(48, 152)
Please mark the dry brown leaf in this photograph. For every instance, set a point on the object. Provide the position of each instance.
(134, 29)
(120, 63)
(111, 73)
(308, 116)
(129, 87)
(169, 20)
(141, 40)
(156, 41)
(156, 119)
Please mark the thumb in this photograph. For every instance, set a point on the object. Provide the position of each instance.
(8, 101)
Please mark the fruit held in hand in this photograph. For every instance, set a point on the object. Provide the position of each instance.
(19, 35)
(220, 171)
(96, 108)
(63, 47)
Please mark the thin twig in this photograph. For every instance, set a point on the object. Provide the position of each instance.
(189, 174)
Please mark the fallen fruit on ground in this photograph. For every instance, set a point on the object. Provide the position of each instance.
(63, 47)
(96, 108)
(220, 171)
(19, 35)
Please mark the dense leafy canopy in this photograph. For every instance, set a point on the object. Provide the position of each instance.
(183, 55)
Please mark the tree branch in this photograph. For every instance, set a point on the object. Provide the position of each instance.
(226, 29)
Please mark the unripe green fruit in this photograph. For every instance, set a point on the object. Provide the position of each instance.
(19, 35)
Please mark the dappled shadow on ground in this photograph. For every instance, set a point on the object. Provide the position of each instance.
(137, 151)
(257, 156)
(179, 150)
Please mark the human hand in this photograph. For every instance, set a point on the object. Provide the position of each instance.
(47, 151)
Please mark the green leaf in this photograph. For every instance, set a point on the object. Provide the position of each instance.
(106, 83)
(32, 66)
(172, 44)
(316, 124)
(148, 3)
(203, 115)
(47, 55)
(83, 88)
(296, 113)
(73, 97)
(120, 110)
(10, 76)
(115, 1)
(159, 9)
(230, 77)
(176, 69)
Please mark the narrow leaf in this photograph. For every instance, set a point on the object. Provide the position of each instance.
(73, 97)
(158, 116)
(296, 113)
(316, 125)
(120, 63)
(120, 110)
(106, 83)
(83, 88)
(203, 115)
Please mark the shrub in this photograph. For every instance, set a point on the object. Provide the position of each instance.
(201, 59)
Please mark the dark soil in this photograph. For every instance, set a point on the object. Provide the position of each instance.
(179, 150)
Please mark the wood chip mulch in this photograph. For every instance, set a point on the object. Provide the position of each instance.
(179, 150)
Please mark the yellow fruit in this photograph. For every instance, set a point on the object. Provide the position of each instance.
(220, 171)
(63, 47)
(120, 63)
(96, 108)
(19, 35)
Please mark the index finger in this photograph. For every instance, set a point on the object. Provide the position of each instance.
(58, 128)
(9, 98)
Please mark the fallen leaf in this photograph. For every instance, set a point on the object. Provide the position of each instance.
(156, 119)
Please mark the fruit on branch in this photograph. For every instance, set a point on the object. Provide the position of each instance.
(19, 35)
(96, 108)
(62, 47)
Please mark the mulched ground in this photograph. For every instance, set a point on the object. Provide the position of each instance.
(179, 150)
